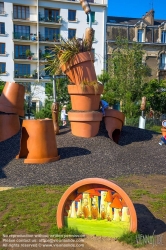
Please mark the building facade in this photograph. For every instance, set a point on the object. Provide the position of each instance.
(29, 29)
(148, 31)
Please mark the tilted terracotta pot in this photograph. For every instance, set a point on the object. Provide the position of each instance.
(9, 126)
(163, 131)
(80, 68)
(38, 142)
(85, 124)
(85, 99)
(114, 120)
(91, 183)
(12, 98)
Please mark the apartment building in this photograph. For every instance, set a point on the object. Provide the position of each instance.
(148, 31)
(29, 28)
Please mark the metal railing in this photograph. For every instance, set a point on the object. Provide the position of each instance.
(49, 38)
(53, 19)
(21, 36)
(28, 75)
(33, 56)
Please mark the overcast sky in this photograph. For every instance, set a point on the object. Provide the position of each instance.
(136, 8)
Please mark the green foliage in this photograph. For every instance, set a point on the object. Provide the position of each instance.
(155, 92)
(2, 84)
(132, 239)
(45, 112)
(127, 75)
(104, 77)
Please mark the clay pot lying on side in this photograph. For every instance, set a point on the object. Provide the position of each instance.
(114, 120)
(38, 142)
(9, 126)
(12, 98)
(86, 99)
(81, 68)
(85, 124)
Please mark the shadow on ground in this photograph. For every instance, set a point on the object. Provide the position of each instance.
(67, 152)
(147, 223)
(8, 151)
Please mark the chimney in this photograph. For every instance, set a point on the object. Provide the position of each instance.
(149, 17)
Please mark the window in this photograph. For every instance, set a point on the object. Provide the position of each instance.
(71, 15)
(140, 36)
(92, 17)
(22, 69)
(71, 33)
(163, 60)
(2, 48)
(52, 34)
(2, 68)
(2, 8)
(21, 12)
(51, 15)
(163, 37)
(21, 31)
(20, 51)
(2, 28)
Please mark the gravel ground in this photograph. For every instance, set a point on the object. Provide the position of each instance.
(138, 152)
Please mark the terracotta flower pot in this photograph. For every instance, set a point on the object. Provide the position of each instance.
(76, 192)
(163, 131)
(85, 99)
(114, 120)
(9, 126)
(85, 124)
(38, 142)
(12, 98)
(81, 68)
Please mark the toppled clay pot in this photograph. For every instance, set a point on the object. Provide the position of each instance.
(9, 126)
(85, 99)
(12, 98)
(81, 68)
(85, 124)
(38, 142)
(114, 120)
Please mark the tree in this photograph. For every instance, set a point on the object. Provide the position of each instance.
(155, 92)
(2, 84)
(127, 76)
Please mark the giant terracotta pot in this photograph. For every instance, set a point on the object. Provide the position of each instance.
(38, 142)
(12, 98)
(80, 68)
(163, 129)
(85, 99)
(85, 124)
(91, 184)
(9, 126)
(114, 120)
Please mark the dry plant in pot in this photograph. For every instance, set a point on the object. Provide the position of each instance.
(75, 59)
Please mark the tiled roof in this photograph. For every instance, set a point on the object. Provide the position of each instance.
(129, 20)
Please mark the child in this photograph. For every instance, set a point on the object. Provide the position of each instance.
(103, 106)
(63, 115)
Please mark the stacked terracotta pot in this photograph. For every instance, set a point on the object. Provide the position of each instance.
(11, 109)
(84, 116)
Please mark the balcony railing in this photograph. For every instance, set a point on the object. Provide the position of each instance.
(56, 19)
(26, 75)
(28, 17)
(49, 38)
(23, 56)
(2, 12)
(21, 36)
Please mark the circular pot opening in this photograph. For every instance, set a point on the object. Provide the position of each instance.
(116, 135)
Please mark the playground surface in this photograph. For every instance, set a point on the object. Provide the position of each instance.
(136, 163)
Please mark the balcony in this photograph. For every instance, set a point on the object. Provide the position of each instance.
(47, 19)
(25, 77)
(24, 37)
(30, 59)
(29, 18)
(49, 38)
(2, 13)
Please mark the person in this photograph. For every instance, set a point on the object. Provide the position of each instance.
(103, 106)
(63, 115)
(151, 113)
